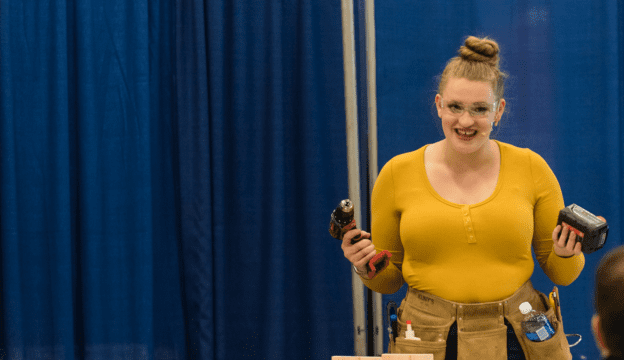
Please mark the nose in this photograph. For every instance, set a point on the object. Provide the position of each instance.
(466, 120)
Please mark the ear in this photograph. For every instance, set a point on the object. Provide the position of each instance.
(499, 111)
(438, 103)
(595, 324)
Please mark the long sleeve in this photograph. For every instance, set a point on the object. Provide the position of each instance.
(385, 233)
(548, 202)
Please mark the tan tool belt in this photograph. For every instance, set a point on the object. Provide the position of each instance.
(481, 329)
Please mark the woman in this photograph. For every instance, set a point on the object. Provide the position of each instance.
(460, 217)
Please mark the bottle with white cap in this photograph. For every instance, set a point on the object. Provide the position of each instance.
(409, 333)
(535, 324)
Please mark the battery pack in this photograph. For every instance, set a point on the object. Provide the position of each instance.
(590, 230)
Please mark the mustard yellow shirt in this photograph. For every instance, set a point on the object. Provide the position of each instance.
(468, 253)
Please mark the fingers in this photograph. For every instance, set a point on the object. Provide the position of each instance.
(555, 234)
(354, 235)
(565, 241)
(359, 253)
(365, 255)
(577, 248)
(571, 242)
(564, 234)
(601, 218)
(560, 236)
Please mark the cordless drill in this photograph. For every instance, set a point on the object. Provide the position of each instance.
(342, 220)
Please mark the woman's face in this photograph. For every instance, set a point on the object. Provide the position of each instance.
(467, 110)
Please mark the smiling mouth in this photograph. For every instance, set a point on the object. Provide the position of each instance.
(466, 133)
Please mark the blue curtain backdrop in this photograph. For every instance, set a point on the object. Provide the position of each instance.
(167, 174)
(167, 169)
(90, 265)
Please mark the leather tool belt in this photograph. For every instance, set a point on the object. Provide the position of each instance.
(481, 329)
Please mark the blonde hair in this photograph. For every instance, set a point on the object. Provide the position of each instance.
(477, 61)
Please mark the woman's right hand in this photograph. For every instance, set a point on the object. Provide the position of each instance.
(360, 253)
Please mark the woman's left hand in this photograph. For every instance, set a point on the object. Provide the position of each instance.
(565, 244)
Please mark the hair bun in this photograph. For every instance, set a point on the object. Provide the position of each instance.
(483, 50)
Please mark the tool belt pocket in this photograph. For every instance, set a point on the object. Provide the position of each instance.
(484, 344)
(556, 347)
(405, 346)
(432, 332)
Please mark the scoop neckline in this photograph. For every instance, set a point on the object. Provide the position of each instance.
(499, 180)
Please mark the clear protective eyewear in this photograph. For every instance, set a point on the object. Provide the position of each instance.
(479, 109)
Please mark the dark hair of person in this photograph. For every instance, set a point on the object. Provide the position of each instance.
(609, 300)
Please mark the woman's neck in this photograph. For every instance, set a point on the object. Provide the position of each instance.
(461, 163)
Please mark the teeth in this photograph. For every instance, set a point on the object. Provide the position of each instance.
(467, 133)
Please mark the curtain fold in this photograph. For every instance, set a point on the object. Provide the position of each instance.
(88, 215)
(167, 174)
(260, 131)
(195, 177)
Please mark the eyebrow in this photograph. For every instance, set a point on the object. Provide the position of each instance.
(478, 103)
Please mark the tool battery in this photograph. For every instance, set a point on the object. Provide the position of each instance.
(591, 231)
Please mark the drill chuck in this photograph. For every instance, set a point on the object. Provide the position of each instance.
(342, 219)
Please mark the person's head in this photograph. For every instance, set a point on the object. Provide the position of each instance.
(609, 303)
(470, 94)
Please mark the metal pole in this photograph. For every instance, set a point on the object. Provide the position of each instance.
(348, 44)
(371, 69)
